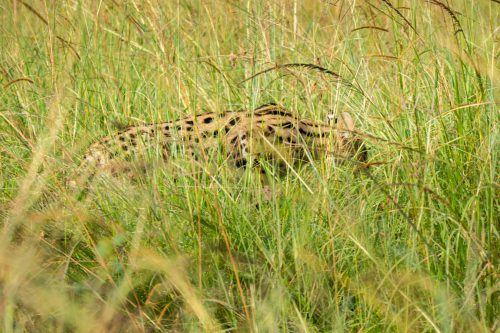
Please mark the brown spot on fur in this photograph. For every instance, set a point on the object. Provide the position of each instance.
(286, 125)
(240, 162)
(233, 121)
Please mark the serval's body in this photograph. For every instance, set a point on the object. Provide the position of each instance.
(241, 137)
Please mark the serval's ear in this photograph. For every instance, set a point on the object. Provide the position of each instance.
(345, 125)
(331, 119)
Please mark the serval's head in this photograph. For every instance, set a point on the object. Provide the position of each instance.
(346, 144)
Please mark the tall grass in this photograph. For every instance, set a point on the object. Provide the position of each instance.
(410, 245)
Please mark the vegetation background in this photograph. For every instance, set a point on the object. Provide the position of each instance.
(410, 245)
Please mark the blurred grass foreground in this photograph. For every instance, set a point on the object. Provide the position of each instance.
(409, 245)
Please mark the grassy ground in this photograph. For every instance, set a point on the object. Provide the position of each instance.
(412, 245)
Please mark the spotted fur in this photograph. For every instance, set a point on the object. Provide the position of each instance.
(242, 137)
